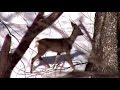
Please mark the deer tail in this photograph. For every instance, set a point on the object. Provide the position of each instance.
(36, 44)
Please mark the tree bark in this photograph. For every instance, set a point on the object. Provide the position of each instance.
(118, 37)
(103, 57)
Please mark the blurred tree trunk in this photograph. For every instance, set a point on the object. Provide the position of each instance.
(103, 57)
(5, 61)
(8, 61)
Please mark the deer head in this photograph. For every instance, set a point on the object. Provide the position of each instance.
(76, 29)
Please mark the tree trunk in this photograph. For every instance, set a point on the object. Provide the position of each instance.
(5, 61)
(103, 57)
(118, 37)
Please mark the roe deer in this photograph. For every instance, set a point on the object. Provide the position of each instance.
(57, 45)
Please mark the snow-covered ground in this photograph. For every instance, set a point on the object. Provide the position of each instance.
(18, 21)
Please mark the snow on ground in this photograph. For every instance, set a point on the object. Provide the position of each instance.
(18, 24)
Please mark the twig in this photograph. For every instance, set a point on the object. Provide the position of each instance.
(8, 29)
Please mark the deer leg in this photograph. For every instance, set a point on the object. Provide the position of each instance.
(39, 54)
(69, 59)
(33, 59)
(56, 59)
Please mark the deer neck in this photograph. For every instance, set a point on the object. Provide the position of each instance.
(73, 36)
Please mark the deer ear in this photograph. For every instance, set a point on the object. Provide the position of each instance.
(73, 24)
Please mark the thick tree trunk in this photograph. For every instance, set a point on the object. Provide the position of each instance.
(5, 61)
(118, 37)
(104, 57)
